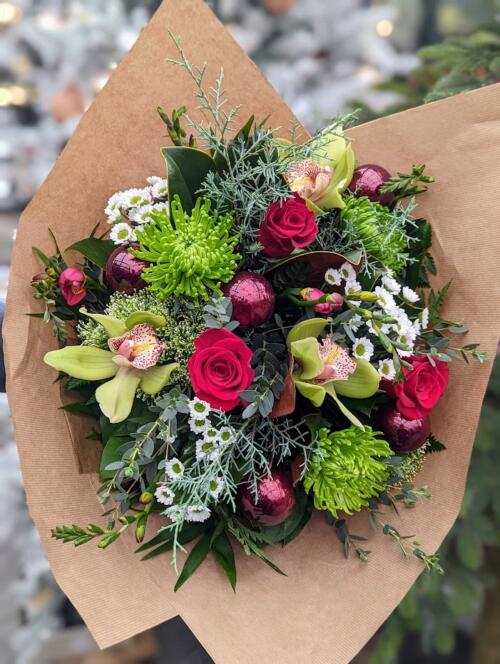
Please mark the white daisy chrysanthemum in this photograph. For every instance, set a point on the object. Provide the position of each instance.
(333, 277)
(424, 318)
(160, 189)
(390, 284)
(347, 272)
(226, 436)
(113, 208)
(211, 435)
(385, 299)
(362, 349)
(352, 287)
(140, 215)
(121, 233)
(417, 327)
(206, 449)
(409, 295)
(215, 487)
(386, 369)
(175, 513)
(135, 198)
(164, 495)
(197, 513)
(198, 425)
(174, 469)
(406, 340)
(199, 409)
(154, 179)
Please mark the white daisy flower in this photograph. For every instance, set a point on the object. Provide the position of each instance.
(160, 189)
(206, 449)
(417, 327)
(226, 436)
(134, 198)
(121, 233)
(198, 425)
(112, 210)
(424, 318)
(409, 295)
(164, 495)
(386, 300)
(140, 215)
(406, 341)
(153, 179)
(175, 513)
(386, 369)
(390, 284)
(211, 435)
(403, 324)
(362, 349)
(174, 469)
(199, 409)
(351, 287)
(333, 277)
(198, 513)
(215, 487)
(347, 272)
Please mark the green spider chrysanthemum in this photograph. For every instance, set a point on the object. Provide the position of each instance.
(347, 469)
(190, 254)
(381, 232)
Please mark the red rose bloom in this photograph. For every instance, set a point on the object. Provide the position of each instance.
(422, 387)
(289, 225)
(71, 282)
(220, 368)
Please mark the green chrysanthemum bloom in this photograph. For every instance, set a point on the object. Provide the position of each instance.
(381, 232)
(189, 254)
(347, 469)
(183, 324)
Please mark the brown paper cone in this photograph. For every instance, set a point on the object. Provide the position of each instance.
(326, 608)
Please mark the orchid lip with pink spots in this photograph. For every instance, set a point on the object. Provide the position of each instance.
(140, 348)
(337, 365)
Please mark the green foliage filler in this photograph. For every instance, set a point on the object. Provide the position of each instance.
(381, 231)
(347, 469)
(190, 254)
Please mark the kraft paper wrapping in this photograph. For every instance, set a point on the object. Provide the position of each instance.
(326, 608)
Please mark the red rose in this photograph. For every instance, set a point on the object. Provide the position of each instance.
(220, 368)
(71, 283)
(422, 387)
(289, 225)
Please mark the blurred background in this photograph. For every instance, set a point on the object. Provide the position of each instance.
(324, 57)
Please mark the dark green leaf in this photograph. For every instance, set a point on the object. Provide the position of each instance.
(223, 552)
(197, 555)
(95, 250)
(187, 169)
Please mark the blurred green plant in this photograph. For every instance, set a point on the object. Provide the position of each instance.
(437, 606)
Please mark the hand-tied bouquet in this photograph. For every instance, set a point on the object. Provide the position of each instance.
(256, 339)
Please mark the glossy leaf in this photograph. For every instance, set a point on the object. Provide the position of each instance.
(96, 250)
(224, 554)
(197, 555)
(187, 169)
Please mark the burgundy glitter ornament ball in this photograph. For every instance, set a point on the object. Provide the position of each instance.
(253, 298)
(402, 434)
(123, 271)
(367, 181)
(275, 499)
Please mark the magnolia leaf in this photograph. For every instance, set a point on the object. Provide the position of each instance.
(140, 317)
(306, 351)
(330, 389)
(95, 250)
(312, 327)
(156, 378)
(116, 397)
(315, 393)
(361, 384)
(113, 326)
(83, 362)
(187, 170)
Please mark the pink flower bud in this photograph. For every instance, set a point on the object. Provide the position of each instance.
(311, 294)
(336, 300)
(71, 282)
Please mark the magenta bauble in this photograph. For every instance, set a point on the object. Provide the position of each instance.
(402, 434)
(367, 181)
(252, 297)
(275, 499)
(123, 271)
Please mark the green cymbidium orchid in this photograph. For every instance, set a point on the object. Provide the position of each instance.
(325, 175)
(326, 368)
(131, 363)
